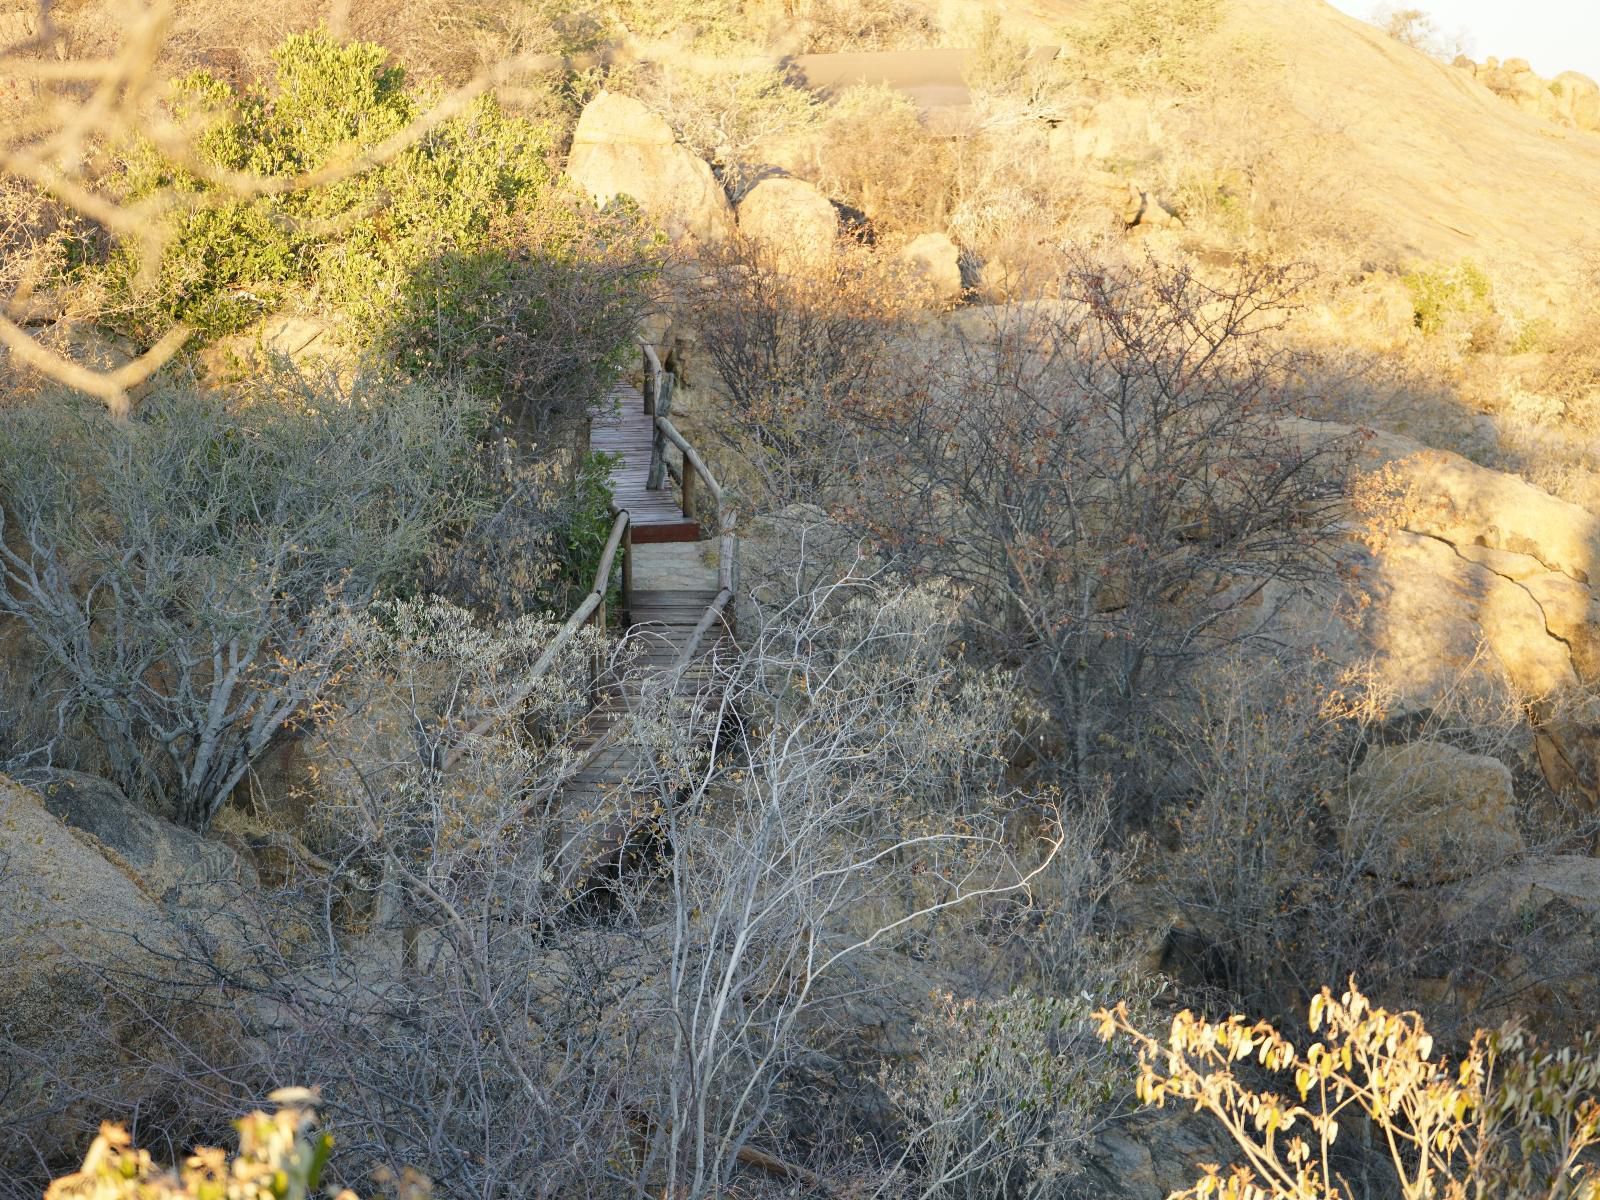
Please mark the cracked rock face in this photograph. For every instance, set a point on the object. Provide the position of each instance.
(1489, 577)
(1437, 618)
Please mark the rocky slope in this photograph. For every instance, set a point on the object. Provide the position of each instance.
(1444, 166)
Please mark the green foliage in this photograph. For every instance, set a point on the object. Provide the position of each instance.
(1005, 1095)
(588, 526)
(231, 257)
(537, 316)
(1442, 295)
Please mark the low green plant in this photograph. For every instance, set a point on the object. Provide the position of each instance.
(588, 528)
(1443, 295)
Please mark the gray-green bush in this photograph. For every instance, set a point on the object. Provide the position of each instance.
(173, 576)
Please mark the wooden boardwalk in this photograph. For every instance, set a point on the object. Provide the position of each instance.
(624, 428)
(672, 580)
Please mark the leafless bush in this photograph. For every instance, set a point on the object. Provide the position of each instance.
(793, 351)
(485, 1000)
(1285, 870)
(845, 803)
(1102, 476)
(174, 576)
(1416, 28)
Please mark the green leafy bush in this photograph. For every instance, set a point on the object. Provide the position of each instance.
(588, 527)
(1443, 295)
(536, 318)
(233, 255)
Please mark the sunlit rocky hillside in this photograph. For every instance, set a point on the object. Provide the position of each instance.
(832, 598)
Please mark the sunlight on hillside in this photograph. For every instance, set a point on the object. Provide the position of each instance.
(743, 597)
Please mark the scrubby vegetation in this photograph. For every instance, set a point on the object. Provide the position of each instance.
(1126, 616)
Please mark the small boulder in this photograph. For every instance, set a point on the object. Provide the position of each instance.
(1429, 812)
(795, 221)
(621, 148)
(937, 260)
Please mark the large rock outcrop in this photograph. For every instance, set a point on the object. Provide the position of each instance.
(1475, 573)
(173, 866)
(1571, 98)
(65, 910)
(95, 995)
(621, 148)
(795, 221)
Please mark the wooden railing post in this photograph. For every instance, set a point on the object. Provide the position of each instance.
(652, 379)
(689, 477)
(627, 567)
(658, 443)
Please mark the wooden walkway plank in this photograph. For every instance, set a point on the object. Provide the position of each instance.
(622, 428)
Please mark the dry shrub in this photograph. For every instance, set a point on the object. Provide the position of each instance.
(1511, 1117)
(876, 156)
(1011, 196)
(833, 25)
(1151, 44)
(794, 352)
(728, 115)
(1283, 874)
(1104, 477)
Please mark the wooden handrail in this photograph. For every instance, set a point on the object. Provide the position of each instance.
(691, 458)
(657, 405)
(714, 612)
(594, 602)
